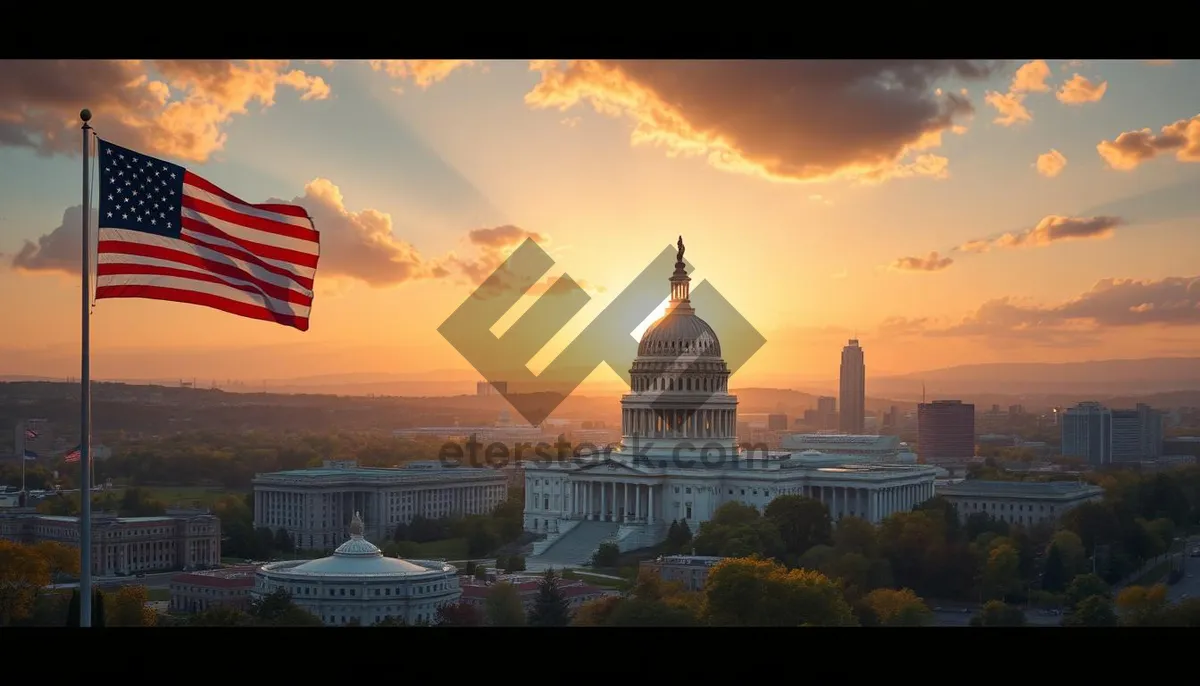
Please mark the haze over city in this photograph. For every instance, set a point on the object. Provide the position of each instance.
(943, 213)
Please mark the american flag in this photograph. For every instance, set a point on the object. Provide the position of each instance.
(30, 434)
(168, 234)
(30, 455)
(72, 454)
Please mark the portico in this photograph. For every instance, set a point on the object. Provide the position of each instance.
(619, 501)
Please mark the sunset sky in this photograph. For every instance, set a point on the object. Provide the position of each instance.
(944, 212)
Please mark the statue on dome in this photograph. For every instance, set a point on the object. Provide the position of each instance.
(356, 525)
(679, 255)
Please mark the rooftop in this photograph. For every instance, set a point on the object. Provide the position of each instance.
(1028, 489)
(358, 557)
(227, 577)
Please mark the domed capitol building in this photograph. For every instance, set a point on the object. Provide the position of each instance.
(359, 584)
(679, 458)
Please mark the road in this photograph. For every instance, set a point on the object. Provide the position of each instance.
(1189, 585)
(158, 580)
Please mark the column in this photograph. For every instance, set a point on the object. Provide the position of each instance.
(637, 503)
(650, 508)
(626, 515)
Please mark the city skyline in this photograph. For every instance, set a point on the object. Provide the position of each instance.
(1010, 212)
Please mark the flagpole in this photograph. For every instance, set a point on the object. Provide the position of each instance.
(85, 399)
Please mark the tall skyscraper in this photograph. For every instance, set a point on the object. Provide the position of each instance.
(853, 389)
(826, 413)
(945, 431)
(1101, 435)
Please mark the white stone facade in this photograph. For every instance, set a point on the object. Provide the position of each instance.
(680, 459)
(357, 584)
(313, 505)
(1019, 502)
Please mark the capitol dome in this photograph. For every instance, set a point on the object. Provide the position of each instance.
(679, 333)
(359, 584)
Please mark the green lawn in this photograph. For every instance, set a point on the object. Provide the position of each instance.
(450, 549)
(158, 594)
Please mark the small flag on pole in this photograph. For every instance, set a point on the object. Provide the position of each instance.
(30, 455)
(72, 454)
(30, 434)
(168, 234)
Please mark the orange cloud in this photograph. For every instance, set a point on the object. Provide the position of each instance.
(1029, 78)
(1131, 148)
(174, 108)
(780, 120)
(1173, 301)
(1078, 90)
(1051, 164)
(1051, 229)
(933, 262)
(424, 73)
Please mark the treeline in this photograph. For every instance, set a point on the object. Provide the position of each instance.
(933, 552)
(228, 460)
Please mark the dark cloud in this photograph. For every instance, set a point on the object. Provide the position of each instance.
(933, 262)
(58, 250)
(173, 107)
(786, 120)
(1173, 301)
(1051, 229)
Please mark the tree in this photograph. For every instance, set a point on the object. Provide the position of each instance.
(649, 613)
(503, 607)
(897, 608)
(1094, 610)
(1142, 606)
(606, 555)
(756, 592)
(391, 621)
(469, 568)
(802, 523)
(1085, 586)
(1071, 551)
(283, 541)
(998, 613)
(61, 560)
(1001, 574)
(458, 614)
(221, 615)
(73, 608)
(596, 612)
(277, 609)
(679, 535)
(855, 535)
(129, 607)
(23, 572)
(98, 612)
(738, 530)
(481, 573)
(1054, 572)
(550, 607)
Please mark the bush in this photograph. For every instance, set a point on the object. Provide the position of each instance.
(606, 555)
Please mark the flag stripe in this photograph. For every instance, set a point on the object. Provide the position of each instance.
(274, 292)
(116, 243)
(243, 306)
(204, 229)
(112, 265)
(246, 294)
(168, 234)
(249, 236)
(204, 184)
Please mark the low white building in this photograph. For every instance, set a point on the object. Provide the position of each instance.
(357, 584)
(680, 459)
(313, 505)
(1019, 502)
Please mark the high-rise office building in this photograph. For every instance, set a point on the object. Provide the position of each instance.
(1087, 433)
(945, 431)
(826, 412)
(1101, 435)
(853, 389)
